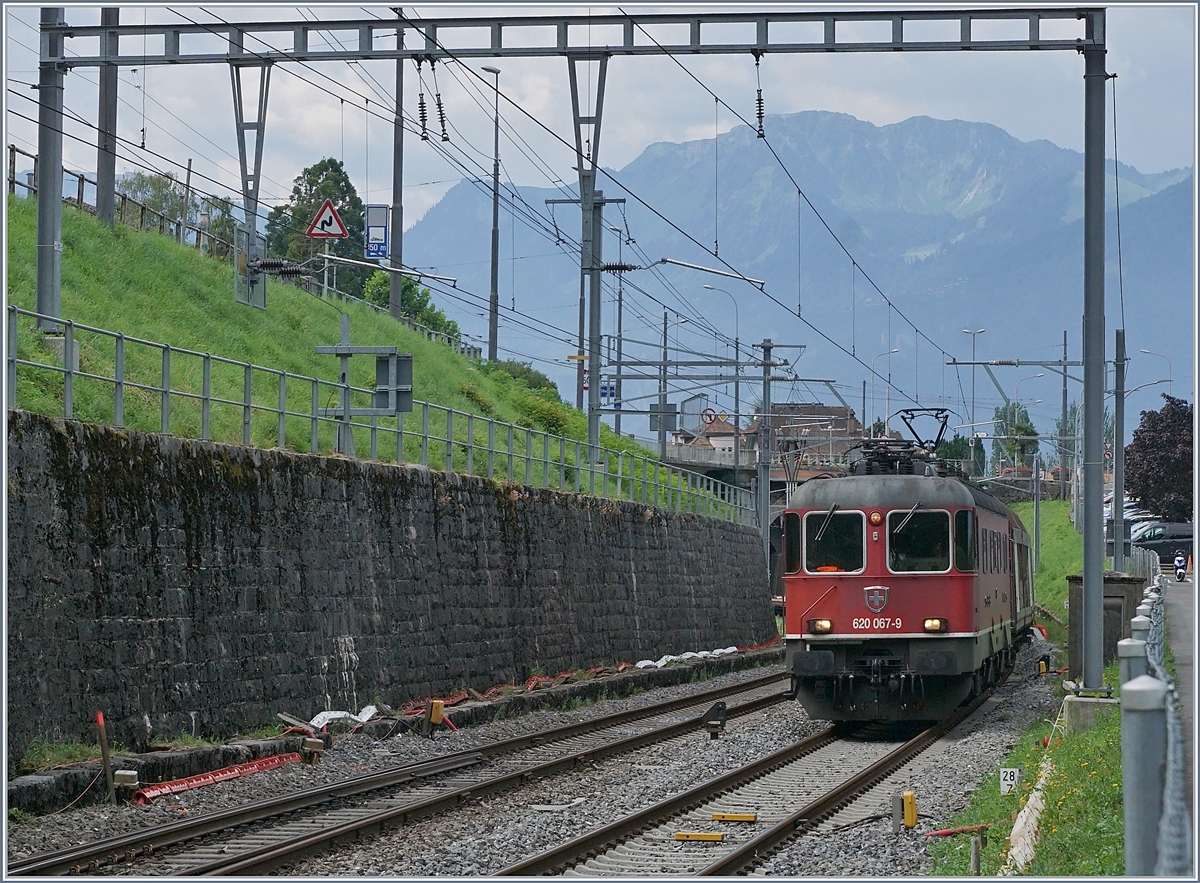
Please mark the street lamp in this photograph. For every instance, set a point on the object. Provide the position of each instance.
(1017, 394)
(973, 334)
(888, 353)
(1161, 356)
(737, 399)
(494, 301)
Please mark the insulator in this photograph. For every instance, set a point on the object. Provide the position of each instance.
(759, 102)
(423, 113)
(442, 116)
(270, 265)
(291, 272)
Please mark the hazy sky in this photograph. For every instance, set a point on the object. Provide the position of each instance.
(327, 108)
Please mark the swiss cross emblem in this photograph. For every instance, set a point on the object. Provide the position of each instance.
(876, 598)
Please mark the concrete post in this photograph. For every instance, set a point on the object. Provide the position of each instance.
(764, 456)
(50, 175)
(1131, 652)
(1093, 361)
(1143, 763)
(1118, 512)
(106, 135)
(1140, 626)
(396, 243)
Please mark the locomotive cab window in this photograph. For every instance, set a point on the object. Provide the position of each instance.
(918, 542)
(834, 542)
(964, 541)
(791, 542)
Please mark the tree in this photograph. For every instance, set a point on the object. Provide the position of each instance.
(957, 448)
(288, 222)
(415, 303)
(1158, 462)
(1016, 436)
(160, 193)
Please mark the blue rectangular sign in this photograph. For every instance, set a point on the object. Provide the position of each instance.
(376, 238)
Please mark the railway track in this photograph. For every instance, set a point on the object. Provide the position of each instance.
(727, 825)
(264, 835)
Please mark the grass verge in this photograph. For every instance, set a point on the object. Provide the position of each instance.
(1081, 831)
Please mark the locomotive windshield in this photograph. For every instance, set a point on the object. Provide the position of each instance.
(918, 541)
(833, 542)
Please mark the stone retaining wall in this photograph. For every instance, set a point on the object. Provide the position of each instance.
(187, 586)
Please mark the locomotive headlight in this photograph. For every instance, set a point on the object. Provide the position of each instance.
(876, 519)
(937, 624)
(820, 626)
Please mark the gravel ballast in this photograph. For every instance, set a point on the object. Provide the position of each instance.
(503, 829)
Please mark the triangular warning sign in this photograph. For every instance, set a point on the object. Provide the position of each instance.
(327, 224)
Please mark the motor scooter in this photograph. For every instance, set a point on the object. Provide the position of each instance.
(1180, 568)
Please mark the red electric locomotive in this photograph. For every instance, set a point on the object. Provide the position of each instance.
(907, 588)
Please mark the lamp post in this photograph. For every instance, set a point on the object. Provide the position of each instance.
(494, 300)
(620, 311)
(973, 335)
(737, 399)
(888, 353)
(1017, 396)
(1161, 356)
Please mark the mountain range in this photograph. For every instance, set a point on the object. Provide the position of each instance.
(958, 223)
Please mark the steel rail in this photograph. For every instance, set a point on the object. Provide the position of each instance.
(759, 847)
(561, 858)
(270, 856)
(558, 859)
(93, 855)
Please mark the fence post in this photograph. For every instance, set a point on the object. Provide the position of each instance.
(69, 370)
(491, 449)
(578, 472)
(247, 391)
(314, 442)
(79, 189)
(528, 457)
(449, 439)
(206, 396)
(119, 382)
(1133, 662)
(510, 452)
(1143, 761)
(164, 420)
(424, 433)
(12, 357)
(282, 443)
(1140, 626)
(12, 169)
(545, 459)
(399, 438)
(122, 209)
(470, 443)
(374, 437)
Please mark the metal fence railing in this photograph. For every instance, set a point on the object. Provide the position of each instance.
(1144, 563)
(1158, 828)
(104, 377)
(127, 210)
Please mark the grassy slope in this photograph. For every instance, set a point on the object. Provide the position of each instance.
(145, 285)
(1061, 554)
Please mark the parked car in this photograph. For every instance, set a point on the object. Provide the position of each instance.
(1141, 527)
(1165, 539)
